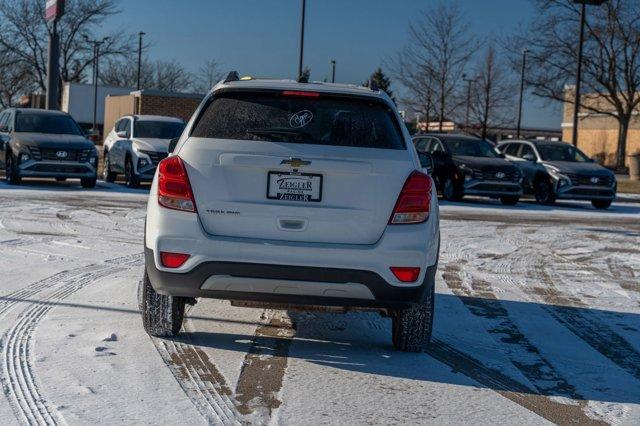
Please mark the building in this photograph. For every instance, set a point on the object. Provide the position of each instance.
(598, 133)
(495, 134)
(77, 100)
(150, 102)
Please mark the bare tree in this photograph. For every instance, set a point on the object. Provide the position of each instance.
(492, 94)
(24, 32)
(431, 65)
(611, 67)
(14, 79)
(171, 76)
(124, 73)
(207, 76)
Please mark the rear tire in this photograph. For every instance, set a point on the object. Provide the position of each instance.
(450, 190)
(411, 327)
(601, 204)
(509, 201)
(162, 315)
(543, 191)
(130, 177)
(89, 182)
(12, 174)
(107, 174)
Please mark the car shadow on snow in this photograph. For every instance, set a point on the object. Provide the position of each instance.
(361, 342)
(531, 206)
(72, 185)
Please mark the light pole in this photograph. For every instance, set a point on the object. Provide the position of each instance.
(96, 54)
(524, 64)
(576, 108)
(469, 81)
(140, 34)
(304, 8)
(333, 70)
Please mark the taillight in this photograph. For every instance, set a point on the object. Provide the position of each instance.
(174, 189)
(173, 260)
(414, 200)
(406, 275)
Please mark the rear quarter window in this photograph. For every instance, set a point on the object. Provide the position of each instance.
(323, 120)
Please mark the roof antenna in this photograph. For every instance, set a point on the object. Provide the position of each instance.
(303, 78)
(373, 85)
(232, 76)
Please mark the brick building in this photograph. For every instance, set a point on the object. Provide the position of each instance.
(150, 102)
(598, 133)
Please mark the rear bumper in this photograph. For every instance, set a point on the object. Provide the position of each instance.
(283, 284)
(492, 188)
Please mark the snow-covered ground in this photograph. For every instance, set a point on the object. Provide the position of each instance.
(537, 321)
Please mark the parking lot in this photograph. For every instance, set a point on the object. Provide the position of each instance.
(537, 320)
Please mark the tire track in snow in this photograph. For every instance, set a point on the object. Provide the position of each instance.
(259, 383)
(264, 367)
(18, 374)
(594, 332)
(482, 303)
(511, 389)
(571, 311)
(199, 378)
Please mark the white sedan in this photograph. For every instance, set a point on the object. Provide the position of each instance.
(135, 146)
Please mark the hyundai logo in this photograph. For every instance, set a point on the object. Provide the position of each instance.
(500, 175)
(594, 179)
(61, 154)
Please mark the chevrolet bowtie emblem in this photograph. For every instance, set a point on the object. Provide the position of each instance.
(295, 162)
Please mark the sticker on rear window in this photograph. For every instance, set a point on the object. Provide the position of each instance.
(301, 119)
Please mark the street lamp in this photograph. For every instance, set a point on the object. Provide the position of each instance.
(333, 71)
(96, 53)
(304, 8)
(469, 81)
(140, 34)
(524, 64)
(576, 107)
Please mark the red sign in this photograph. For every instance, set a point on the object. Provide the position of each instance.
(54, 10)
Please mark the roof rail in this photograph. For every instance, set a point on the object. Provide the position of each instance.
(232, 76)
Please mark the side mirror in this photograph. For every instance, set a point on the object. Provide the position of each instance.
(501, 155)
(4, 129)
(426, 161)
(529, 157)
(172, 145)
(122, 134)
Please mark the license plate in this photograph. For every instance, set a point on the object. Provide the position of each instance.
(294, 186)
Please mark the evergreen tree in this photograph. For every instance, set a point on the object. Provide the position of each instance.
(380, 79)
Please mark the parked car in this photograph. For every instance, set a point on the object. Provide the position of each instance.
(465, 165)
(135, 146)
(558, 170)
(283, 193)
(45, 144)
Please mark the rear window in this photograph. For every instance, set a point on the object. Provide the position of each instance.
(321, 120)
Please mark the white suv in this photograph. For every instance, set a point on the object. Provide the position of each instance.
(282, 193)
(135, 146)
